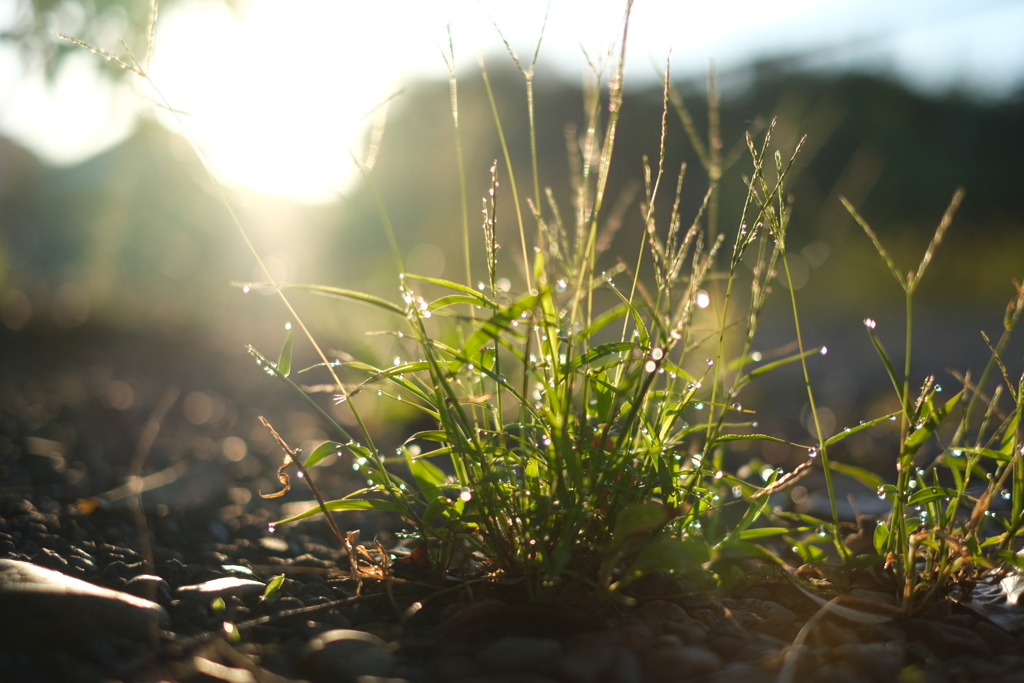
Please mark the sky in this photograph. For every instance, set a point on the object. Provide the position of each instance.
(277, 97)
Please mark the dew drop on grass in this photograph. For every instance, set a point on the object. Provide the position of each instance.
(380, 393)
(824, 350)
(465, 495)
(737, 491)
(892, 418)
(881, 493)
(821, 532)
(737, 406)
(869, 323)
(755, 425)
(912, 484)
(271, 528)
(812, 452)
(560, 285)
(938, 388)
(709, 362)
(756, 356)
(299, 474)
(1005, 493)
(246, 289)
(956, 452)
(699, 406)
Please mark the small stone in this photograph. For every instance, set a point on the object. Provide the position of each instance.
(50, 559)
(51, 606)
(836, 635)
(519, 653)
(996, 637)
(222, 588)
(345, 656)
(274, 544)
(666, 664)
(875, 596)
(663, 611)
(688, 630)
(773, 611)
(585, 663)
(945, 639)
(149, 587)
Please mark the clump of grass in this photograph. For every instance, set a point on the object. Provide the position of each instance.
(581, 445)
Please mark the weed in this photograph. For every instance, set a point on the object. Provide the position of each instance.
(583, 421)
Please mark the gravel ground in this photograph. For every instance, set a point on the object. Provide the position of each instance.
(80, 603)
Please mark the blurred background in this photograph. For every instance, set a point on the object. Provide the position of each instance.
(117, 258)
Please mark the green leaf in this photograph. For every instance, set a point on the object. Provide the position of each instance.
(360, 297)
(327, 448)
(600, 321)
(853, 430)
(478, 296)
(931, 493)
(866, 477)
(284, 362)
(763, 532)
(919, 436)
(669, 554)
(345, 504)
(768, 367)
(637, 519)
(453, 299)
(273, 588)
(889, 369)
(757, 506)
(880, 539)
(597, 352)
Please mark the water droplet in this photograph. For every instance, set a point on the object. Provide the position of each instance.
(560, 285)
(956, 452)
(287, 326)
(246, 289)
(881, 492)
(821, 532)
(709, 362)
(912, 483)
(719, 474)
(380, 393)
(869, 323)
(737, 491)
(737, 406)
(465, 495)
(703, 299)
(892, 418)
(1005, 493)
(650, 366)
(299, 474)
(938, 388)
(271, 528)
(756, 356)
(812, 452)
(755, 425)
(699, 406)
(824, 350)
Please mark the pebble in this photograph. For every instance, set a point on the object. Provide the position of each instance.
(668, 663)
(222, 588)
(519, 653)
(149, 587)
(346, 656)
(51, 606)
(946, 640)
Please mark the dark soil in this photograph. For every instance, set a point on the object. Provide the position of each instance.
(68, 432)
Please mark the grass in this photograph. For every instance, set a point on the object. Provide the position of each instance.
(584, 421)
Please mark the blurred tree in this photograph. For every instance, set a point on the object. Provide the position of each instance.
(103, 23)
